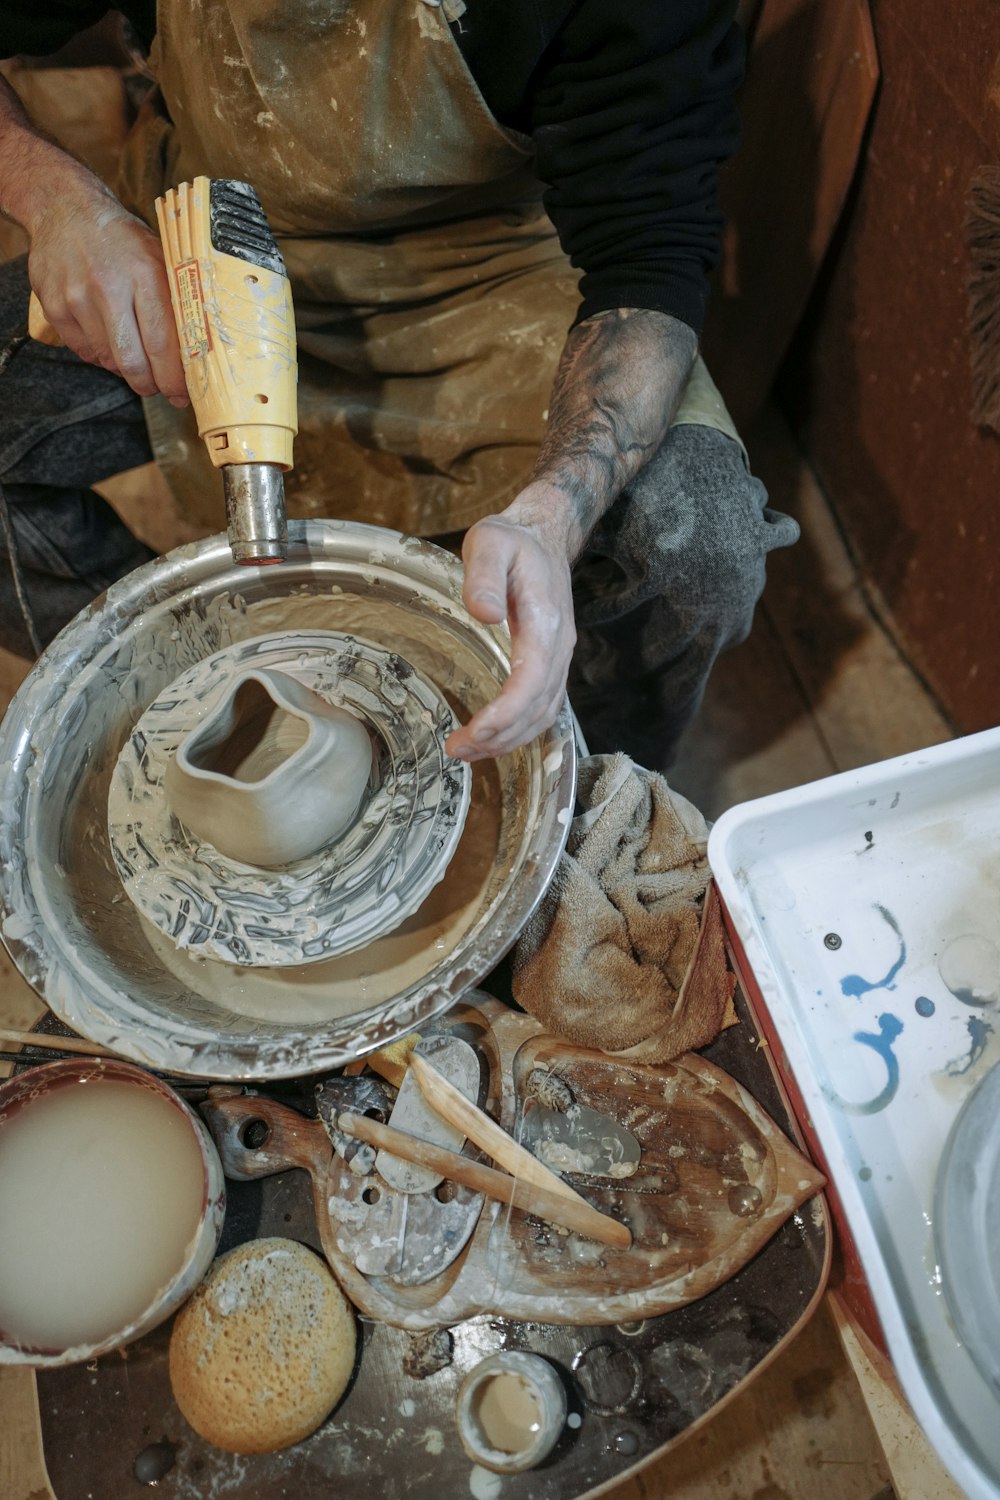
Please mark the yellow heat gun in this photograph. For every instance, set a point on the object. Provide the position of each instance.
(233, 309)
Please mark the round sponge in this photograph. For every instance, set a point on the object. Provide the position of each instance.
(264, 1349)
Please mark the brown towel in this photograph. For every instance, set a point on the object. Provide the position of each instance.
(625, 952)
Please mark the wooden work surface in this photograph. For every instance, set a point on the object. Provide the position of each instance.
(632, 1390)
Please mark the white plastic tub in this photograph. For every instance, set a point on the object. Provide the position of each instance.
(868, 907)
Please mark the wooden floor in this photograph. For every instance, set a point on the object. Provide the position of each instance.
(819, 687)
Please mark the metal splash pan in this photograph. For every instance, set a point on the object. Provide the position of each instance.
(868, 908)
(64, 917)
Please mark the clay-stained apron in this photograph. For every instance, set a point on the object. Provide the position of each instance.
(432, 297)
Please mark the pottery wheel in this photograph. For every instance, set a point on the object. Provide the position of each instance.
(346, 894)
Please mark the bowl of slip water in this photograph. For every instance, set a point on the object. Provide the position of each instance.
(111, 1207)
(146, 936)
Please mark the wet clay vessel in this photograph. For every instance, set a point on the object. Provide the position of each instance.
(348, 891)
(274, 774)
(715, 1181)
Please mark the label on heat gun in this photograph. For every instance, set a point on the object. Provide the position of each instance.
(193, 329)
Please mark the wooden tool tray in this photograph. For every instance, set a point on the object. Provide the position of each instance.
(633, 1386)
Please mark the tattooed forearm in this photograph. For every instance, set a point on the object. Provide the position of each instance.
(618, 384)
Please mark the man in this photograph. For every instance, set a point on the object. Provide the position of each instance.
(399, 149)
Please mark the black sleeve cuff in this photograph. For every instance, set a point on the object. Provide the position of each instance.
(39, 29)
(680, 291)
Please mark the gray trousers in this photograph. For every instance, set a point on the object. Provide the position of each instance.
(670, 577)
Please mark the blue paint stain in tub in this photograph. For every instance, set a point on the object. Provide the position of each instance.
(980, 1032)
(855, 985)
(882, 1042)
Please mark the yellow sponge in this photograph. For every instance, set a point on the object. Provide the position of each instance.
(265, 1348)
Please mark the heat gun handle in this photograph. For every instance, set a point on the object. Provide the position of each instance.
(236, 325)
(254, 492)
(232, 305)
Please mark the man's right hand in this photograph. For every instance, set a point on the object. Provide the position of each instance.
(97, 271)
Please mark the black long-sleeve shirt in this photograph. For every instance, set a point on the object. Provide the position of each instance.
(629, 103)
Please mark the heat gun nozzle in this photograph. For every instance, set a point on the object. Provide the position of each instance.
(255, 512)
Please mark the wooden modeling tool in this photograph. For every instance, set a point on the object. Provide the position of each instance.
(53, 1043)
(487, 1135)
(696, 1214)
(414, 1116)
(572, 1213)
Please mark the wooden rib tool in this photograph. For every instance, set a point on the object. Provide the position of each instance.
(571, 1212)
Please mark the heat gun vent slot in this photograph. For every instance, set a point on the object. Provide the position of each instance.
(239, 226)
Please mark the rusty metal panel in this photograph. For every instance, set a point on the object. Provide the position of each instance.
(811, 78)
(880, 388)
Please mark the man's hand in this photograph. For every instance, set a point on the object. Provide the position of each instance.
(618, 383)
(97, 271)
(99, 274)
(517, 566)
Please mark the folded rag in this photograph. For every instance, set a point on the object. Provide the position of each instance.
(626, 951)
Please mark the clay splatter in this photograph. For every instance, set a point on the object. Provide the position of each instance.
(970, 968)
(483, 1485)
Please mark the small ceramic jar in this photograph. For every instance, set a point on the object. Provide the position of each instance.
(511, 1409)
(273, 774)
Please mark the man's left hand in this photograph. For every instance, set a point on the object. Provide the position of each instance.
(619, 380)
(517, 567)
